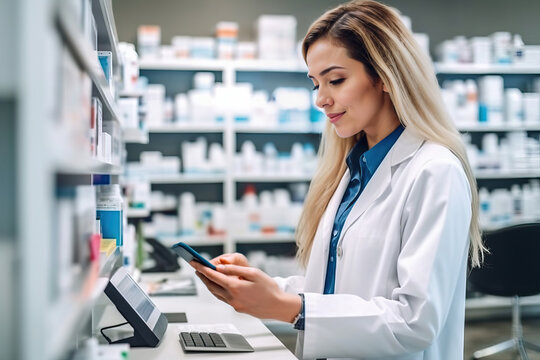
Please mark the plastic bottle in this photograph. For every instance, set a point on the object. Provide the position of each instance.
(109, 209)
(485, 208)
(130, 70)
(250, 203)
(268, 212)
(517, 49)
(535, 187)
(187, 213)
(528, 203)
(517, 202)
(270, 158)
(472, 101)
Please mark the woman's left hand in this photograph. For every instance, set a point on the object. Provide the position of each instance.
(249, 290)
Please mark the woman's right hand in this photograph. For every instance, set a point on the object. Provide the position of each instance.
(230, 259)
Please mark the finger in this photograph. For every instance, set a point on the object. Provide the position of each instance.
(214, 288)
(224, 259)
(247, 273)
(222, 280)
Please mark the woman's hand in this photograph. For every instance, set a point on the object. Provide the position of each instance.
(249, 290)
(233, 259)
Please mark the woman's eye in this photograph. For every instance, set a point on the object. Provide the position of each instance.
(315, 88)
(337, 81)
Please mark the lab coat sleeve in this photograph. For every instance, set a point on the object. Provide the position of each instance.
(291, 284)
(434, 226)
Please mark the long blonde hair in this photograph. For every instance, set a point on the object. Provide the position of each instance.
(374, 34)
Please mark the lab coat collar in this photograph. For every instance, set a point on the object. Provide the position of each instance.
(404, 148)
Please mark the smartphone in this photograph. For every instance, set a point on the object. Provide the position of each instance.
(188, 254)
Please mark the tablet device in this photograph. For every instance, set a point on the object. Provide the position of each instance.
(148, 323)
(188, 254)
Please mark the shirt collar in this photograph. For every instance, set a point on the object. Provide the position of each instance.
(373, 156)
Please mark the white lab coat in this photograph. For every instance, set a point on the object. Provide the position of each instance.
(401, 268)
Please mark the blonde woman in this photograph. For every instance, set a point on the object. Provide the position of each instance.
(390, 219)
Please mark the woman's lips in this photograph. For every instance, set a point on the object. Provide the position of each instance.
(334, 117)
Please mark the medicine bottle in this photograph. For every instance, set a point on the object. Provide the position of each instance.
(109, 206)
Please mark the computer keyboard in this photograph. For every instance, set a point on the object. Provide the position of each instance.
(213, 342)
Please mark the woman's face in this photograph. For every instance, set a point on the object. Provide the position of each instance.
(351, 99)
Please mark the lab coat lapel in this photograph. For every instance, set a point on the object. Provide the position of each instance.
(318, 261)
(331, 210)
(405, 147)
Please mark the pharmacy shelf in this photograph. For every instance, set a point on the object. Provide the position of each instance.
(201, 240)
(264, 238)
(181, 64)
(480, 69)
(257, 65)
(506, 174)
(480, 127)
(136, 93)
(221, 65)
(67, 315)
(512, 223)
(272, 178)
(103, 14)
(87, 165)
(276, 129)
(134, 135)
(186, 179)
(137, 213)
(106, 267)
(87, 58)
(187, 128)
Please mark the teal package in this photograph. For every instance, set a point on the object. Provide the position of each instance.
(111, 225)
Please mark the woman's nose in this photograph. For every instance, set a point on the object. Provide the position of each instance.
(323, 99)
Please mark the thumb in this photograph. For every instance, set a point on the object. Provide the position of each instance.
(244, 272)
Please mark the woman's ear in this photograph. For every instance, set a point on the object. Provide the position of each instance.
(384, 88)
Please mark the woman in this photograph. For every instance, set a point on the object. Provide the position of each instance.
(391, 215)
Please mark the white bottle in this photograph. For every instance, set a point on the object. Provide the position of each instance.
(270, 158)
(485, 208)
(517, 202)
(535, 187)
(181, 108)
(529, 207)
(130, 71)
(471, 107)
(517, 49)
(187, 213)
(248, 157)
(513, 106)
(251, 207)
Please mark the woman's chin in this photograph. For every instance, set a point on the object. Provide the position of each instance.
(343, 133)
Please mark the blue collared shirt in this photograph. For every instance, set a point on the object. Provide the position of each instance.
(362, 163)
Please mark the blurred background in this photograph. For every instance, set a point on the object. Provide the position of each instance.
(128, 125)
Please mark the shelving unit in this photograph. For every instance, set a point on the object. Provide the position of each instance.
(229, 72)
(507, 174)
(193, 240)
(498, 128)
(135, 136)
(233, 71)
(187, 179)
(488, 305)
(485, 69)
(49, 315)
(137, 213)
